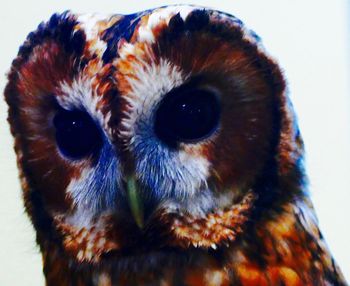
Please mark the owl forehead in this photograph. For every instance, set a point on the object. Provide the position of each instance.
(112, 36)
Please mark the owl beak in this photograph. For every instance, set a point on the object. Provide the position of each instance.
(135, 201)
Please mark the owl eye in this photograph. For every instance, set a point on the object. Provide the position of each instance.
(187, 115)
(76, 133)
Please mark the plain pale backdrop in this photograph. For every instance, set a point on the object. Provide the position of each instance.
(310, 39)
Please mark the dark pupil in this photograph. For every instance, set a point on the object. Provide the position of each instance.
(187, 115)
(76, 133)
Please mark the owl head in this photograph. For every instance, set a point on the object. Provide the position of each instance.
(169, 128)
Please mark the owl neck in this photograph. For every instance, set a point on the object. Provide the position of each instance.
(286, 248)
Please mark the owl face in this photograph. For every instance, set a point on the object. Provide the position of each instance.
(165, 128)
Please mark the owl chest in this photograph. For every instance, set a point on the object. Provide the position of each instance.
(243, 264)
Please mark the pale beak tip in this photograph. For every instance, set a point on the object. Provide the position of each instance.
(135, 202)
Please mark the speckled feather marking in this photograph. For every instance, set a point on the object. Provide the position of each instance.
(211, 231)
(87, 244)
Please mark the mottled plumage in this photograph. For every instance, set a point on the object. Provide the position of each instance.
(160, 148)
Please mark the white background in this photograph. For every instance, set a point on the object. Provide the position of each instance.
(310, 39)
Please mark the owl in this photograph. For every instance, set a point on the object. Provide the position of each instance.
(161, 148)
